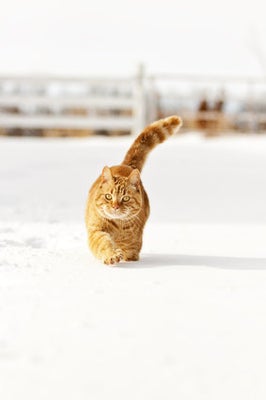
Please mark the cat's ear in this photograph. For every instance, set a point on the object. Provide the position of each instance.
(106, 175)
(134, 178)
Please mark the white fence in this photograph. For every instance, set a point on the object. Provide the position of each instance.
(127, 104)
(242, 101)
(71, 103)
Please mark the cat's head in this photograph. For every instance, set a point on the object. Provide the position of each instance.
(119, 196)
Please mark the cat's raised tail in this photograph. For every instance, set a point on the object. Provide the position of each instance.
(153, 134)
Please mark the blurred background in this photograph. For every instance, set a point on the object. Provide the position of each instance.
(111, 67)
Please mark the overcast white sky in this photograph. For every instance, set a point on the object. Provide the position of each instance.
(98, 37)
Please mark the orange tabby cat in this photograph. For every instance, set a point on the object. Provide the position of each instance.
(118, 206)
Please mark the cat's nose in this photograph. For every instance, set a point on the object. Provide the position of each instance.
(115, 205)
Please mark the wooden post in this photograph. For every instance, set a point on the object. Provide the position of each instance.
(139, 112)
(151, 102)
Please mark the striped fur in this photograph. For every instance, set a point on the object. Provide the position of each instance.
(118, 206)
(152, 135)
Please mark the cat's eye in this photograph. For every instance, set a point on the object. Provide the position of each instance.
(126, 198)
(108, 196)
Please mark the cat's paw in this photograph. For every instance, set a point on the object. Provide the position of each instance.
(114, 258)
(132, 258)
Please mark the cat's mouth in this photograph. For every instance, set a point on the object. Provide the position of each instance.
(116, 214)
(113, 214)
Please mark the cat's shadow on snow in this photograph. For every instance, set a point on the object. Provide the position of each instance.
(178, 260)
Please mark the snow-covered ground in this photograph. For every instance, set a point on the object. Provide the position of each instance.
(186, 322)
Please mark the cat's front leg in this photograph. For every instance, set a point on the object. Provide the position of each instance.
(102, 246)
(132, 250)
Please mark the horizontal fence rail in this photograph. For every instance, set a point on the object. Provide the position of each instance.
(65, 122)
(108, 102)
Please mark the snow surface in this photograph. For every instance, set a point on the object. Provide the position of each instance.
(186, 322)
